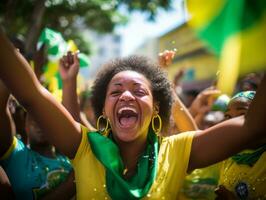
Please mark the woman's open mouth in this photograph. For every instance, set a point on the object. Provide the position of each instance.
(127, 117)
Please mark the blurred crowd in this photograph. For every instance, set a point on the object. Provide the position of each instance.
(33, 168)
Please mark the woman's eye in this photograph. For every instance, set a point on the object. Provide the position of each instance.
(140, 93)
(115, 93)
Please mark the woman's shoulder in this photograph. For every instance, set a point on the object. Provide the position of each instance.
(180, 143)
(84, 148)
(179, 137)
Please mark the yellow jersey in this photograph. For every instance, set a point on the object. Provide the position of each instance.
(172, 163)
(244, 181)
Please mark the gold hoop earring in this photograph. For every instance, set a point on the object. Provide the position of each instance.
(156, 130)
(102, 131)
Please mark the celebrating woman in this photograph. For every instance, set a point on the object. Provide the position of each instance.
(124, 159)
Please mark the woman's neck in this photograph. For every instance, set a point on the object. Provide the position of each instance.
(130, 153)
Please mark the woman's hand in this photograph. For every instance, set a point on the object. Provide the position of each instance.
(203, 102)
(69, 66)
(165, 58)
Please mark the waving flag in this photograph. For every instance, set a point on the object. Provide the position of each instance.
(235, 30)
(55, 43)
(57, 47)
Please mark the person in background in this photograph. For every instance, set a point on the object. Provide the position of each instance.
(212, 111)
(243, 176)
(250, 82)
(18, 114)
(202, 104)
(37, 171)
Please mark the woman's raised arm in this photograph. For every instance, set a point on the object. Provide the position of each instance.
(52, 117)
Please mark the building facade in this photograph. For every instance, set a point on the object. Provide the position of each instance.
(192, 55)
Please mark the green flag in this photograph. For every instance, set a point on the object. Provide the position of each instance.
(235, 30)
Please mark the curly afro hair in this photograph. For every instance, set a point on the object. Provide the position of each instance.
(161, 89)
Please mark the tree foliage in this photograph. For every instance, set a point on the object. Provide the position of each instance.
(29, 17)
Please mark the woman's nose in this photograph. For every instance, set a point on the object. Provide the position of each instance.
(127, 96)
